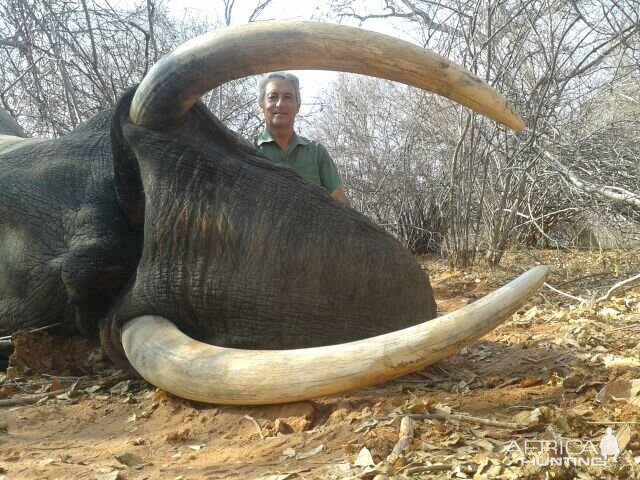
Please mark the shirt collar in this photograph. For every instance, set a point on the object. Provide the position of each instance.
(266, 137)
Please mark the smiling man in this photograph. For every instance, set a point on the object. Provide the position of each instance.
(279, 101)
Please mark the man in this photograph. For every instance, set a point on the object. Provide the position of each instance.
(279, 101)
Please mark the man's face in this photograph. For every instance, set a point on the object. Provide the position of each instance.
(280, 106)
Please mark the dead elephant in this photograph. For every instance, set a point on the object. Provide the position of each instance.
(215, 274)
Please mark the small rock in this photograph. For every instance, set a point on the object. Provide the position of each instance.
(293, 425)
(129, 459)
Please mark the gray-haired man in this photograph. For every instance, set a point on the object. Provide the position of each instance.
(279, 101)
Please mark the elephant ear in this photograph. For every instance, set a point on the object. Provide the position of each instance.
(126, 170)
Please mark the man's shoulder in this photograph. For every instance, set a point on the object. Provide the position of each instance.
(311, 144)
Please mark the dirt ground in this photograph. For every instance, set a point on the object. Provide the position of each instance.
(532, 399)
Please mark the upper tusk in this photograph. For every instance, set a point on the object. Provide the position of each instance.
(190, 369)
(178, 80)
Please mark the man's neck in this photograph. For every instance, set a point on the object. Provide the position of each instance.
(282, 138)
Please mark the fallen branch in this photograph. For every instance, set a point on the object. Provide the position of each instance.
(32, 398)
(616, 194)
(618, 286)
(405, 440)
(607, 296)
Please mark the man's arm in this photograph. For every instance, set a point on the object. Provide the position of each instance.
(340, 196)
(330, 177)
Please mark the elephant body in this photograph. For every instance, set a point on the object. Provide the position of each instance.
(65, 246)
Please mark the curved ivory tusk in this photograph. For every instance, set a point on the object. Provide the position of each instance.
(190, 369)
(178, 80)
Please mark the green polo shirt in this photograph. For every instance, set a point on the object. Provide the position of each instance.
(310, 159)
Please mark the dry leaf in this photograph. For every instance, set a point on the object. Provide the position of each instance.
(310, 453)
(483, 444)
(560, 315)
(530, 419)
(108, 475)
(484, 462)
(454, 439)
(620, 390)
(364, 458)
(418, 408)
(365, 425)
(613, 362)
(429, 446)
(289, 452)
(623, 437)
(56, 384)
(479, 433)
(531, 314)
(608, 312)
(120, 388)
(440, 408)
(530, 382)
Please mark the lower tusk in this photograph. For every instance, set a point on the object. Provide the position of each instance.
(190, 369)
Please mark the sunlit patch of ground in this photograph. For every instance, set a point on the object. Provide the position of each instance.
(534, 379)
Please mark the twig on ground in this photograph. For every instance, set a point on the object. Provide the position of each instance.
(560, 292)
(584, 277)
(461, 418)
(607, 423)
(438, 467)
(631, 326)
(46, 327)
(256, 424)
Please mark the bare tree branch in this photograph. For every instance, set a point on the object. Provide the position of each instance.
(616, 194)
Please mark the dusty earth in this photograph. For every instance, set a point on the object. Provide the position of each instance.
(523, 402)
